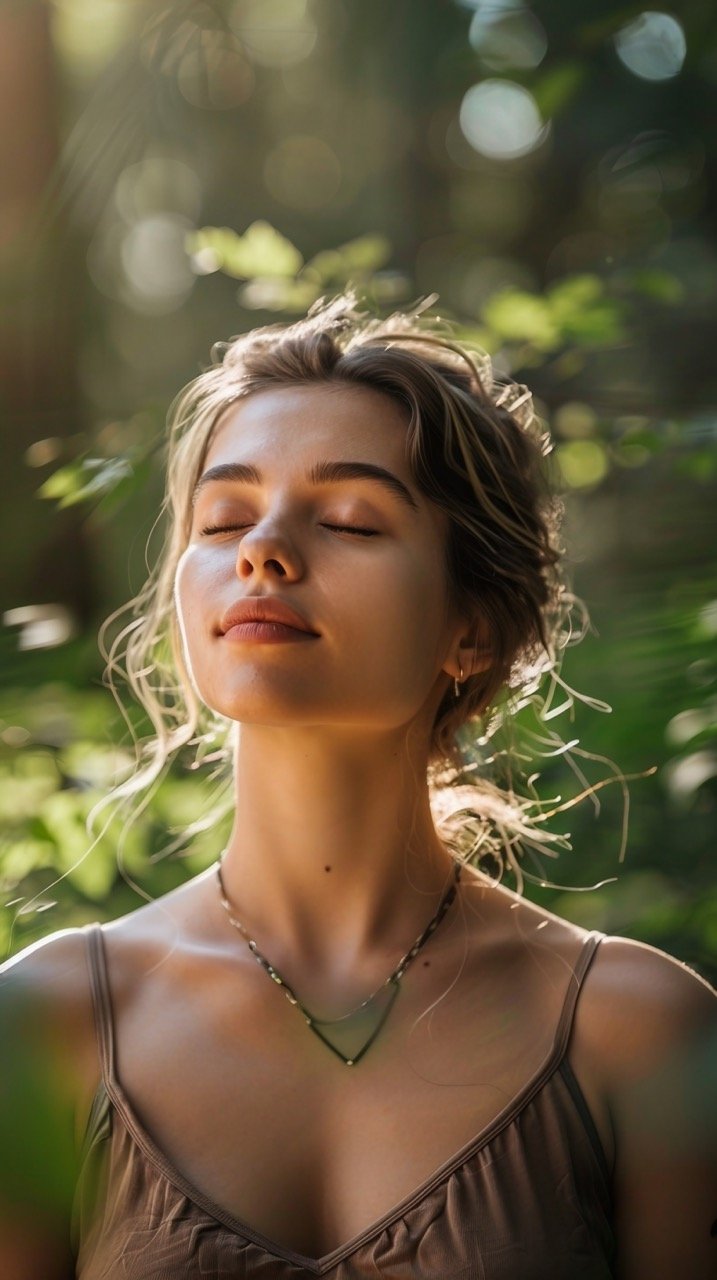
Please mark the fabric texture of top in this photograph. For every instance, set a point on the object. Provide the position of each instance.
(528, 1198)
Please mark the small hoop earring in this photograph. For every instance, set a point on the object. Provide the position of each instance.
(456, 686)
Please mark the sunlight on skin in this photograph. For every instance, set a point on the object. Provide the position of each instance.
(344, 718)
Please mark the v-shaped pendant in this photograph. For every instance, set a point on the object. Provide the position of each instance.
(350, 1058)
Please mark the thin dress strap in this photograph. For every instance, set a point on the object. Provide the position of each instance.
(577, 977)
(101, 1001)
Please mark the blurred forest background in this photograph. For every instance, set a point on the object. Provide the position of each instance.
(173, 174)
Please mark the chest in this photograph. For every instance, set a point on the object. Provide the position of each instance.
(258, 1115)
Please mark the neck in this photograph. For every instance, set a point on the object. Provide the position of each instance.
(334, 862)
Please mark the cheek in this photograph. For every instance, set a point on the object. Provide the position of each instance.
(412, 610)
(195, 593)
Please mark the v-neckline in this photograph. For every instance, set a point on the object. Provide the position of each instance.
(318, 1266)
(161, 1162)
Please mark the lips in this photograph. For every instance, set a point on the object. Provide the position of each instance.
(263, 609)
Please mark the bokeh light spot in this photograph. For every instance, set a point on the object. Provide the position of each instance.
(156, 264)
(653, 46)
(684, 777)
(687, 725)
(575, 420)
(274, 33)
(205, 261)
(15, 735)
(42, 626)
(157, 184)
(508, 38)
(584, 463)
(708, 619)
(501, 120)
(87, 32)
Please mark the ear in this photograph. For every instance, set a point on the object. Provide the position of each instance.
(471, 651)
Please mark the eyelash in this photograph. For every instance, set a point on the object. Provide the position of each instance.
(342, 528)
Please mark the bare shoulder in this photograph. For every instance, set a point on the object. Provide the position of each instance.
(643, 1042)
(511, 922)
(645, 1036)
(636, 1001)
(46, 1007)
(47, 978)
(47, 986)
(640, 1007)
(45, 1033)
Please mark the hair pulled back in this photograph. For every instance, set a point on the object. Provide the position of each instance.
(475, 449)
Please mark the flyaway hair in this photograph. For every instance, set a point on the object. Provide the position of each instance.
(478, 451)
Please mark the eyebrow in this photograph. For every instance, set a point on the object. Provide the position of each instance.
(324, 472)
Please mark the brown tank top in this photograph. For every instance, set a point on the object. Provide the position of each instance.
(528, 1198)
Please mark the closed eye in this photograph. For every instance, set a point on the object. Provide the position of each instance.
(340, 528)
(222, 529)
(353, 528)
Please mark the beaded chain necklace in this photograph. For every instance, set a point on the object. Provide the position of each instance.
(390, 985)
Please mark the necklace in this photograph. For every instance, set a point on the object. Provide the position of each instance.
(389, 988)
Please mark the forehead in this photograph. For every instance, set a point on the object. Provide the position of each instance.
(283, 425)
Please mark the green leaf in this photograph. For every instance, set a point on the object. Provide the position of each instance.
(556, 88)
(573, 293)
(643, 437)
(583, 313)
(267, 293)
(85, 478)
(663, 286)
(599, 325)
(126, 484)
(517, 316)
(260, 251)
(94, 875)
(63, 482)
(64, 822)
(20, 797)
(483, 338)
(365, 254)
(700, 465)
(23, 856)
(357, 258)
(324, 266)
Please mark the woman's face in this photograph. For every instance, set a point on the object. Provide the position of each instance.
(378, 602)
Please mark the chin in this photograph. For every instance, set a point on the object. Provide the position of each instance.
(260, 707)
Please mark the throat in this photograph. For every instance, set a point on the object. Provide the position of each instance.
(351, 1033)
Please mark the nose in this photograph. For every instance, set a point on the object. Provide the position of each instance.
(266, 550)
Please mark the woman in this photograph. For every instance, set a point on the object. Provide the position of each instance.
(343, 1050)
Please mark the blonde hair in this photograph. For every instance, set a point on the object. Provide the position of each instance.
(476, 450)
